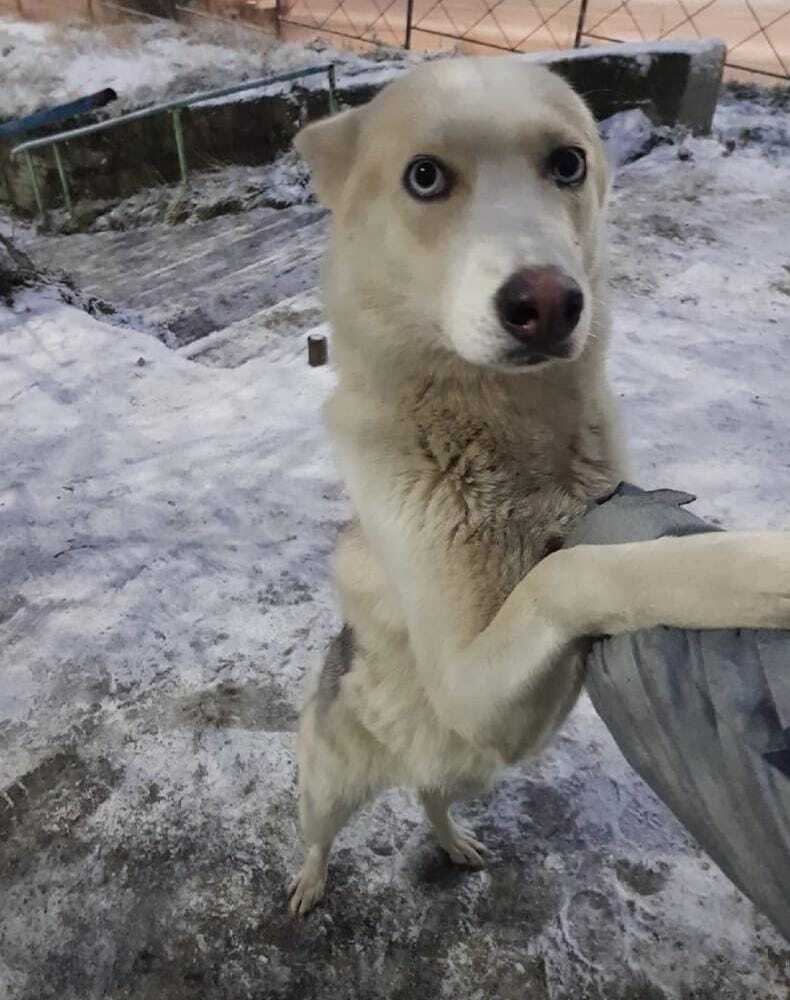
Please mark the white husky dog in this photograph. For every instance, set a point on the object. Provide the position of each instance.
(466, 285)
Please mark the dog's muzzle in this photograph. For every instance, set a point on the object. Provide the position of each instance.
(540, 308)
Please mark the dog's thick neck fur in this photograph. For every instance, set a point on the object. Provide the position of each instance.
(500, 441)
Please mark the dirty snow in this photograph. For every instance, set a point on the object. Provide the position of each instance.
(748, 115)
(165, 588)
(628, 135)
(228, 190)
(43, 65)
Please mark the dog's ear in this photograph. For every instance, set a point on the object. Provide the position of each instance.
(329, 146)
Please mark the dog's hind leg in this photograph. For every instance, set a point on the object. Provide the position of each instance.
(330, 792)
(321, 822)
(459, 842)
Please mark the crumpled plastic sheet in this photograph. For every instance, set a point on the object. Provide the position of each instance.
(702, 716)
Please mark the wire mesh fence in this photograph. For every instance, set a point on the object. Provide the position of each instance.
(371, 22)
(757, 32)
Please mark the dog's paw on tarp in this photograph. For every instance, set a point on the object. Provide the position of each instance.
(702, 716)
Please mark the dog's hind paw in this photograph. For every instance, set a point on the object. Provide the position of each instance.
(464, 848)
(308, 886)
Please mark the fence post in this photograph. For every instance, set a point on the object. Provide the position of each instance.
(332, 89)
(5, 185)
(281, 12)
(63, 182)
(34, 181)
(182, 160)
(409, 19)
(580, 24)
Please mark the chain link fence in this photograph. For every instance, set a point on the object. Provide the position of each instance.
(757, 32)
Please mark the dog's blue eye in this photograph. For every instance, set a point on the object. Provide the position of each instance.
(426, 178)
(568, 165)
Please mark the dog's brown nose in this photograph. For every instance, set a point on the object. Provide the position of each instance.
(539, 306)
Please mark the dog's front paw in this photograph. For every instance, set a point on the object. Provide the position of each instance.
(760, 576)
(463, 847)
(308, 886)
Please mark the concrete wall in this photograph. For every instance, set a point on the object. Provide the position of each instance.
(674, 83)
(118, 162)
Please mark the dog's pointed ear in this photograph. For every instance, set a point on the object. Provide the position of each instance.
(329, 146)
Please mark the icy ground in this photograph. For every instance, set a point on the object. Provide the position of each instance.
(166, 529)
(42, 65)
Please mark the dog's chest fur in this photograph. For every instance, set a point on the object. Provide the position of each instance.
(494, 483)
(508, 480)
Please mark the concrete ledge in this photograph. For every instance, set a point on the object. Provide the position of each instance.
(117, 163)
(253, 128)
(674, 83)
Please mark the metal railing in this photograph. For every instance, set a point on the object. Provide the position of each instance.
(56, 115)
(174, 107)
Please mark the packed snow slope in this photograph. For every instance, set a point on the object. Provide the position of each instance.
(165, 588)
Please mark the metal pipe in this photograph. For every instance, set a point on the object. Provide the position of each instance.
(63, 182)
(34, 181)
(17, 127)
(179, 132)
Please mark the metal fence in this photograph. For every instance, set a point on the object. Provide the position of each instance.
(757, 32)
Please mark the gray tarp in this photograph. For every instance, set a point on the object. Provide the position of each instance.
(702, 716)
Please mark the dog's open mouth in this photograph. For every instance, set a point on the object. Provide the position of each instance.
(528, 357)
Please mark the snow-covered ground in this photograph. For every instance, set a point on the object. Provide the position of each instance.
(227, 190)
(164, 588)
(43, 65)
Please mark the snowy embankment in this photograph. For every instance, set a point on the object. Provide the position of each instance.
(166, 530)
(144, 62)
